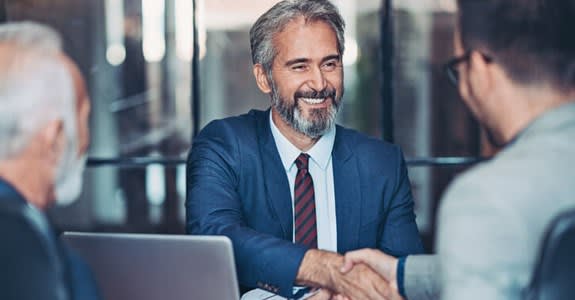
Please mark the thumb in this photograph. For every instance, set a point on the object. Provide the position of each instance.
(350, 259)
(347, 266)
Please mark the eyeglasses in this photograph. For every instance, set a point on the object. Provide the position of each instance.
(451, 69)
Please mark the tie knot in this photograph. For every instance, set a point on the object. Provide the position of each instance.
(302, 161)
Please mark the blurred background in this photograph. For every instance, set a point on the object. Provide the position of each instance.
(159, 70)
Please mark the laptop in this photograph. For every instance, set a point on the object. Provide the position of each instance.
(154, 266)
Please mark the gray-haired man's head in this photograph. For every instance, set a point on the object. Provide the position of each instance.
(38, 88)
(277, 17)
(299, 98)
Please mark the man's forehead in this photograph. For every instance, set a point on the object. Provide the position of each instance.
(297, 37)
(299, 23)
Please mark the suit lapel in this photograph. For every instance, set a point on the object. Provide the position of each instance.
(275, 178)
(347, 194)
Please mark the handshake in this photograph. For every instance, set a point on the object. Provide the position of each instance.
(359, 275)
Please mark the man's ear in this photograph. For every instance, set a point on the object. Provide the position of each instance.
(262, 79)
(53, 139)
(481, 73)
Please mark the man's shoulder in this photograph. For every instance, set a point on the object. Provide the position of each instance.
(365, 145)
(19, 231)
(27, 250)
(481, 177)
(12, 208)
(502, 183)
(516, 178)
(517, 166)
(242, 125)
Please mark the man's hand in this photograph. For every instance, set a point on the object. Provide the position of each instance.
(382, 263)
(322, 294)
(322, 269)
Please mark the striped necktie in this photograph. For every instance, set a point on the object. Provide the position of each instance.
(304, 204)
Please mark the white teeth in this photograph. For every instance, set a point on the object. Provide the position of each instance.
(313, 100)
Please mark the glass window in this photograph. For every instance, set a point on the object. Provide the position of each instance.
(429, 119)
(137, 57)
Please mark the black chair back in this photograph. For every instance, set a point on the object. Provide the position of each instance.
(554, 277)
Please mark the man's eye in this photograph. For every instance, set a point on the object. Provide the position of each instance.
(330, 65)
(298, 67)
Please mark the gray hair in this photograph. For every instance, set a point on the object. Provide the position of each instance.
(35, 85)
(275, 19)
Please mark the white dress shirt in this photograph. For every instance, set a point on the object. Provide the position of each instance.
(321, 170)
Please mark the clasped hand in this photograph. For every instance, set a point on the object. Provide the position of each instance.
(363, 274)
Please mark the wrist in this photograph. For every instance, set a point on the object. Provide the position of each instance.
(393, 270)
(318, 268)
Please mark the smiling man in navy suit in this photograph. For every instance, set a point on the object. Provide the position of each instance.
(289, 187)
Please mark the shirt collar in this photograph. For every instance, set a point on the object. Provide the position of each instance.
(320, 153)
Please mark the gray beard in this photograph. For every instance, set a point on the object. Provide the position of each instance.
(321, 120)
(68, 185)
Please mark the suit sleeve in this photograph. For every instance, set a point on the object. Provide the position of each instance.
(420, 277)
(27, 272)
(400, 235)
(214, 207)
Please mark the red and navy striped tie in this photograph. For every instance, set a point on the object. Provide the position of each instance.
(304, 203)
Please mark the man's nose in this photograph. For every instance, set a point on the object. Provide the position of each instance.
(317, 80)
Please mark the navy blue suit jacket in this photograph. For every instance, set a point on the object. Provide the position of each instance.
(237, 187)
(34, 264)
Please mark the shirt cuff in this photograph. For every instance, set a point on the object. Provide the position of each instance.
(400, 274)
(299, 292)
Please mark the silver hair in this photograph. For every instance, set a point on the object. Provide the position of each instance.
(35, 85)
(277, 17)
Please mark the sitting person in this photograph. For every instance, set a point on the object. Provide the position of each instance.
(515, 70)
(289, 187)
(44, 127)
